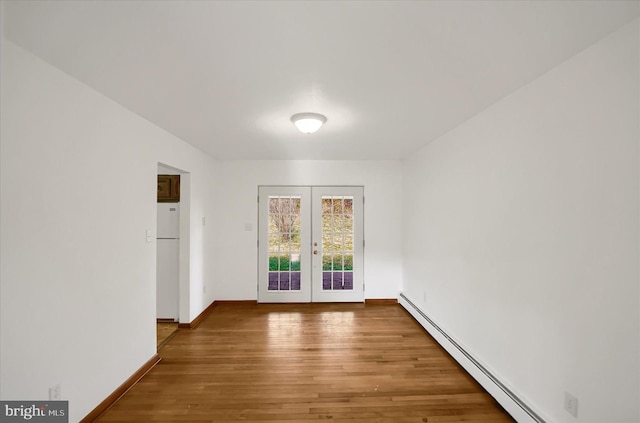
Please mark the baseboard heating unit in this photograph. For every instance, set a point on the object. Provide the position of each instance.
(502, 394)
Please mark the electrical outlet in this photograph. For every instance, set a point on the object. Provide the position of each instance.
(571, 404)
(55, 393)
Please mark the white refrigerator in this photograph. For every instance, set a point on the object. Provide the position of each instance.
(168, 259)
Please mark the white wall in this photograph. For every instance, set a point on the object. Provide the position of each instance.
(78, 186)
(521, 235)
(238, 192)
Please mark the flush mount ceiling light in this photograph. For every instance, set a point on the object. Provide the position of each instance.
(308, 122)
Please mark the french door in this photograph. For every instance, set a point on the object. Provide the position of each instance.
(310, 244)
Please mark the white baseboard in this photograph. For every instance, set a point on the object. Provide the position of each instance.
(520, 411)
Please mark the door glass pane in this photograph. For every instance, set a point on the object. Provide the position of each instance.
(326, 262)
(337, 206)
(348, 262)
(348, 205)
(274, 243)
(337, 243)
(348, 242)
(348, 223)
(326, 205)
(327, 243)
(284, 243)
(295, 262)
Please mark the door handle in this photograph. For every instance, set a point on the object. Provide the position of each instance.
(315, 251)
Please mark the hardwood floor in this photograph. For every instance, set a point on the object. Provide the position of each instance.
(164, 331)
(264, 363)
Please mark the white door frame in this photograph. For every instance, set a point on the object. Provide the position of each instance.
(311, 289)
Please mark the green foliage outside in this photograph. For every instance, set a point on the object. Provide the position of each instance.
(284, 263)
(337, 262)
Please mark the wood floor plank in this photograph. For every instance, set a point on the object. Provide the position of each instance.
(164, 331)
(344, 363)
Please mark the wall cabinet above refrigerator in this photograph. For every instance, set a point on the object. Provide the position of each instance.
(168, 188)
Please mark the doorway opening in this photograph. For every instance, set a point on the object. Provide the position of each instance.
(172, 250)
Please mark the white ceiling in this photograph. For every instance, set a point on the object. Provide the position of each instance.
(390, 76)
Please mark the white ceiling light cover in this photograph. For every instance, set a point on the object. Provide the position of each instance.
(308, 123)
